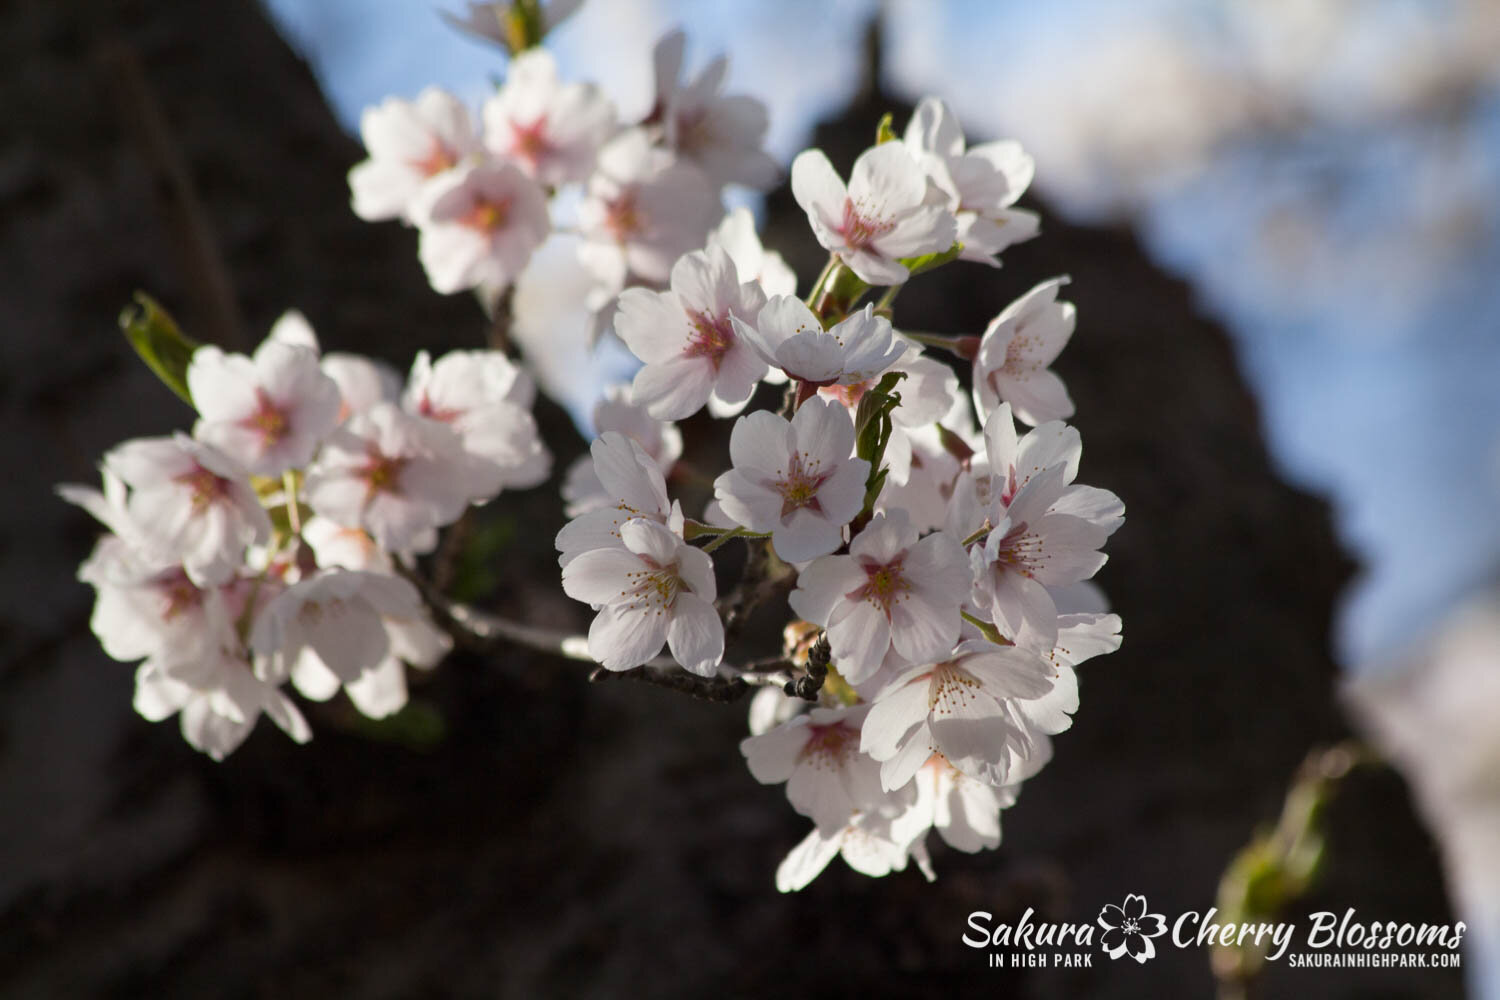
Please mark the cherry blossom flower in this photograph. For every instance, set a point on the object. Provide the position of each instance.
(884, 214)
(687, 338)
(487, 400)
(982, 183)
(189, 502)
(362, 381)
(721, 134)
(633, 482)
(872, 843)
(1028, 550)
(213, 687)
(334, 545)
(736, 234)
(619, 412)
(1014, 353)
(654, 589)
(964, 811)
(891, 592)
(410, 142)
(350, 629)
(854, 351)
(795, 480)
(479, 224)
(551, 130)
(496, 21)
(268, 412)
(978, 708)
(644, 209)
(1009, 462)
(398, 476)
(827, 778)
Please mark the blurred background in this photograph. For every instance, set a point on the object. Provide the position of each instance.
(1280, 220)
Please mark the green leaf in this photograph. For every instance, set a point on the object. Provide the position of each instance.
(872, 431)
(160, 343)
(883, 131)
(928, 261)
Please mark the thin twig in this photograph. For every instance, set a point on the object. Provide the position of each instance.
(484, 632)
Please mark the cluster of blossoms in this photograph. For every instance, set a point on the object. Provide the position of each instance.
(544, 156)
(935, 557)
(265, 547)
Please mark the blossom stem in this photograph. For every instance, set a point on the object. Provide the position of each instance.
(985, 530)
(990, 632)
(966, 347)
(817, 289)
(886, 300)
(484, 632)
(293, 515)
(734, 533)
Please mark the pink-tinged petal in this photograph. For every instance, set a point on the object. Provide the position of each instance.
(1011, 672)
(158, 696)
(773, 755)
(620, 639)
(822, 586)
(312, 678)
(823, 429)
(1020, 604)
(924, 630)
(859, 641)
(746, 502)
(759, 445)
(381, 691)
(842, 495)
(1037, 396)
(696, 635)
(805, 536)
(930, 229)
(740, 371)
(806, 861)
(222, 385)
(628, 474)
(600, 576)
(783, 317)
(1010, 159)
(1100, 508)
(653, 325)
(893, 717)
(973, 817)
(897, 770)
(817, 188)
(1084, 636)
(697, 571)
(674, 389)
(886, 178)
(1069, 550)
(812, 357)
(935, 129)
(873, 268)
(649, 540)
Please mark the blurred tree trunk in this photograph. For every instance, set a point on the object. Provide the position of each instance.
(564, 840)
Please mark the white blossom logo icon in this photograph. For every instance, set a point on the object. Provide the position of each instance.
(1128, 929)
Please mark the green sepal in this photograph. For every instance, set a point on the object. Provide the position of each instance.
(160, 343)
(928, 261)
(883, 131)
